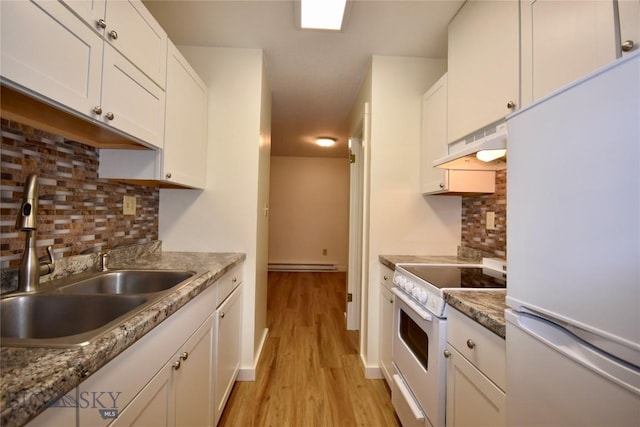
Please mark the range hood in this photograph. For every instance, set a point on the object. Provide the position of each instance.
(462, 153)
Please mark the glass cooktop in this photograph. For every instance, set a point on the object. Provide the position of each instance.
(458, 277)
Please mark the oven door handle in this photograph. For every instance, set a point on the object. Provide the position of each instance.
(415, 307)
(404, 390)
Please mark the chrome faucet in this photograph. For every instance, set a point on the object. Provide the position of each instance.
(30, 267)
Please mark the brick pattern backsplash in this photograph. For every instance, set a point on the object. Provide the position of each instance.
(78, 212)
(474, 217)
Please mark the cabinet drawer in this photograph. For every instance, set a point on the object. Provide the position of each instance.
(228, 282)
(480, 346)
(386, 276)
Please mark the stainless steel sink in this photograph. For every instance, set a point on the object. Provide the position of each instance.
(77, 309)
(128, 282)
(53, 320)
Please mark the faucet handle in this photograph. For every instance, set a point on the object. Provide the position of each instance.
(48, 267)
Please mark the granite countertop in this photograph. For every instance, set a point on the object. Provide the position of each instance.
(33, 378)
(484, 306)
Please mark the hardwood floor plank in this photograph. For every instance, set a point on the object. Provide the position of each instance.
(309, 374)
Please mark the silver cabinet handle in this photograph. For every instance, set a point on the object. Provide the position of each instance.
(628, 45)
(176, 365)
(234, 280)
(101, 23)
(511, 105)
(470, 343)
(97, 109)
(184, 356)
(110, 115)
(113, 34)
(385, 277)
(222, 315)
(442, 185)
(168, 175)
(447, 354)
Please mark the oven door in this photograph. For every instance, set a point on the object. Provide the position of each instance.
(419, 340)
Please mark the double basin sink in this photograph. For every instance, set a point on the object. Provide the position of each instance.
(78, 309)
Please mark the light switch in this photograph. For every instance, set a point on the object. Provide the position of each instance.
(129, 205)
(491, 220)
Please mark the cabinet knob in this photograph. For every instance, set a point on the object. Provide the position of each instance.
(386, 278)
(102, 23)
(627, 45)
(110, 115)
(470, 343)
(234, 280)
(176, 365)
(447, 354)
(442, 185)
(184, 356)
(222, 315)
(97, 109)
(113, 34)
(391, 301)
(168, 175)
(511, 105)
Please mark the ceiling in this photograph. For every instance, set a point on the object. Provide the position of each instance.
(314, 76)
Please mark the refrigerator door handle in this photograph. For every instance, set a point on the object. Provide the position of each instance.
(566, 343)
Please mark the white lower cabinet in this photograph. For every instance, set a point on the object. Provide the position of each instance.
(179, 374)
(228, 319)
(476, 374)
(179, 393)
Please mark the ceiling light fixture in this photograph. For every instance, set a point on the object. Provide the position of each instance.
(325, 141)
(322, 14)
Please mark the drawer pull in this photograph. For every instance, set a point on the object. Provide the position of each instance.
(234, 280)
(101, 23)
(176, 365)
(184, 356)
(385, 278)
(470, 343)
(113, 34)
(222, 315)
(447, 354)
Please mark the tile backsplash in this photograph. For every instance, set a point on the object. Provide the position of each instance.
(492, 243)
(78, 212)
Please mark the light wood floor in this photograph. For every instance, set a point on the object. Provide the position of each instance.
(309, 373)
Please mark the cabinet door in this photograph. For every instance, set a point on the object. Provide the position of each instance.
(193, 379)
(185, 138)
(136, 104)
(434, 137)
(562, 41)
(133, 31)
(47, 50)
(386, 334)
(227, 349)
(629, 20)
(472, 399)
(483, 62)
(152, 406)
(90, 11)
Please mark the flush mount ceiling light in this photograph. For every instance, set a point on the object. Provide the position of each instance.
(325, 141)
(322, 14)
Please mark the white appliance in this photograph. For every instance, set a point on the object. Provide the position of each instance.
(418, 391)
(573, 184)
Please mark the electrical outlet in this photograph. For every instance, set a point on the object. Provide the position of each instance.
(491, 220)
(324, 252)
(129, 205)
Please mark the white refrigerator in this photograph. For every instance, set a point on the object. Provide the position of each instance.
(573, 248)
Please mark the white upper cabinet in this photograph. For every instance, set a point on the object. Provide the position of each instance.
(132, 30)
(434, 145)
(562, 41)
(184, 155)
(483, 61)
(91, 11)
(182, 161)
(49, 53)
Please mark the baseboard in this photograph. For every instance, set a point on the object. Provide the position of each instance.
(370, 372)
(249, 374)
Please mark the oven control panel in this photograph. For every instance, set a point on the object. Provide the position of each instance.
(419, 292)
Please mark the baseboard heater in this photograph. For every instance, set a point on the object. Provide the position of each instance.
(302, 267)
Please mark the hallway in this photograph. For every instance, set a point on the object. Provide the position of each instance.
(309, 373)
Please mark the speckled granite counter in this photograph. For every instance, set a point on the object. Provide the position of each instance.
(45, 374)
(485, 307)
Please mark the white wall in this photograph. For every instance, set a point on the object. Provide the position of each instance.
(228, 215)
(400, 219)
(309, 211)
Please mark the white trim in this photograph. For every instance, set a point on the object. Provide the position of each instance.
(249, 374)
(371, 372)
